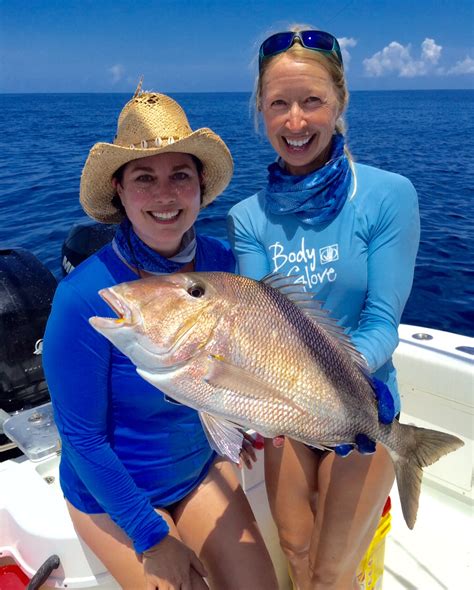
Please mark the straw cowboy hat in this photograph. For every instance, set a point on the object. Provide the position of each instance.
(151, 124)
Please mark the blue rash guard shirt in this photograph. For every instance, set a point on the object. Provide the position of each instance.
(360, 265)
(125, 449)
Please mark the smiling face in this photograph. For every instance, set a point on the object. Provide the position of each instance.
(300, 110)
(161, 196)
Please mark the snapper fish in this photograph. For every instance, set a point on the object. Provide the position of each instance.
(261, 355)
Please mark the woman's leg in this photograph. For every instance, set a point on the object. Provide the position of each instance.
(351, 494)
(113, 547)
(291, 480)
(216, 521)
(343, 515)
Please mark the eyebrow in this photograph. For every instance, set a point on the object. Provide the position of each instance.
(150, 169)
(181, 167)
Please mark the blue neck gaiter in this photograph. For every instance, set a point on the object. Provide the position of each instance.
(314, 198)
(136, 254)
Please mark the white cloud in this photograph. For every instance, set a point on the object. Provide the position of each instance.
(344, 43)
(117, 71)
(430, 51)
(397, 58)
(466, 66)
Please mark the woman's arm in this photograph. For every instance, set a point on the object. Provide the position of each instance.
(392, 249)
(77, 366)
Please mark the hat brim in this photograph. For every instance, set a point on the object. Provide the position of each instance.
(97, 192)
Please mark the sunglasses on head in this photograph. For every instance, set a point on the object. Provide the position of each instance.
(314, 40)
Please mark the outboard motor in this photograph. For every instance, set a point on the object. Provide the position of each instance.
(83, 240)
(26, 292)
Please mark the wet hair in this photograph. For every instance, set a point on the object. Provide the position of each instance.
(118, 176)
(329, 62)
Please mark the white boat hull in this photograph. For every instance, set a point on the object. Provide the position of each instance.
(436, 382)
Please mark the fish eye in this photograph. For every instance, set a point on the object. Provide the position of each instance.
(196, 291)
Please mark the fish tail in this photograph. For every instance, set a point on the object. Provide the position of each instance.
(423, 447)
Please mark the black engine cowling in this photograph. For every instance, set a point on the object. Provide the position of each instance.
(26, 292)
(83, 240)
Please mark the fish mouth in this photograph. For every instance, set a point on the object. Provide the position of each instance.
(126, 314)
(129, 318)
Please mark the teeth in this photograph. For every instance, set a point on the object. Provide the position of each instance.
(164, 216)
(297, 142)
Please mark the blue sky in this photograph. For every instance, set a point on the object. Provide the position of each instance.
(208, 45)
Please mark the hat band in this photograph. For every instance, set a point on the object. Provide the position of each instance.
(153, 143)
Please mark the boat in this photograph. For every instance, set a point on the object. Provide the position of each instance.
(436, 380)
(38, 543)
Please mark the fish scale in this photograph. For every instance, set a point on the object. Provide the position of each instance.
(261, 355)
(288, 359)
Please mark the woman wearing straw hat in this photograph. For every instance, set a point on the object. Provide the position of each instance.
(143, 488)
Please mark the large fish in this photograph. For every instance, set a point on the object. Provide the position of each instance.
(261, 355)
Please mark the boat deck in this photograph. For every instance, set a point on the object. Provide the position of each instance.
(437, 553)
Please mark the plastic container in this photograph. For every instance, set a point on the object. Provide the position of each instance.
(12, 578)
(35, 432)
(370, 574)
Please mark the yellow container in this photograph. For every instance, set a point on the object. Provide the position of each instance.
(370, 572)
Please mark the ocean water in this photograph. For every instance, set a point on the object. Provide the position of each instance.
(427, 136)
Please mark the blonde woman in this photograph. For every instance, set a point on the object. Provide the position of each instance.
(349, 233)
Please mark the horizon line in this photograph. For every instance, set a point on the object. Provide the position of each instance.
(236, 91)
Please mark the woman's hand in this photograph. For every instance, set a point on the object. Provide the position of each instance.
(171, 565)
(249, 444)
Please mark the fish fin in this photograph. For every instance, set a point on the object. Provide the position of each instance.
(343, 450)
(320, 446)
(313, 308)
(425, 447)
(170, 400)
(224, 375)
(224, 437)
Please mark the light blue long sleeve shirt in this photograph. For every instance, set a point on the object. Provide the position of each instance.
(360, 265)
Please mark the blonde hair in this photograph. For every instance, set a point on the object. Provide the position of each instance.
(327, 60)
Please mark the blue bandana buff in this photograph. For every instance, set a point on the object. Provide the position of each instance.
(136, 254)
(314, 198)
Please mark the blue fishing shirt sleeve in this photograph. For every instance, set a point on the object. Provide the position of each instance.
(78, 385)
(392, 245)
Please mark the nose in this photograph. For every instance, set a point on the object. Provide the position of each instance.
(163, 192)
(296, 120)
